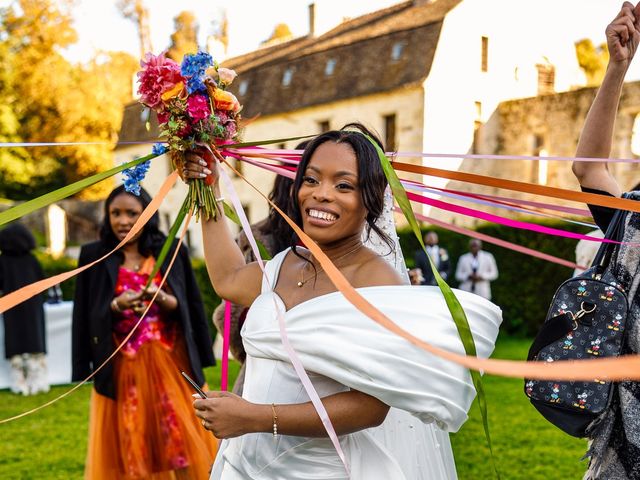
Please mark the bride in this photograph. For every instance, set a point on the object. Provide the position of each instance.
(357, 367)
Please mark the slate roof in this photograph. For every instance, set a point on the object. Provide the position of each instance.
(360, 50)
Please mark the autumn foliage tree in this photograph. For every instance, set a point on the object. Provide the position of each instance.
(592, 60)
(185, 38)
(46, 98)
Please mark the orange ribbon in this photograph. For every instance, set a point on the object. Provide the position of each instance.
(611, 369)
(555, 192)
(14, 298)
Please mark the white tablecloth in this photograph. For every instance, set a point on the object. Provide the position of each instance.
(58, 323)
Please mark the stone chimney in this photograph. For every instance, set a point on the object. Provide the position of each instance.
(312, 19)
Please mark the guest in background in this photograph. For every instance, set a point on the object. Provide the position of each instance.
(141, 423)
(440, 259)
(24, 326)
(476, 270)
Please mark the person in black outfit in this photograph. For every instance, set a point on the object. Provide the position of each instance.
(439, 256)
(24, 324)
(615, 435)
(141, 423)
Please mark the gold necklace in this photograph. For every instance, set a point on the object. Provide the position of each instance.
(302, 280)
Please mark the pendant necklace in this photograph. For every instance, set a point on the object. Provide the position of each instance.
(303, 280)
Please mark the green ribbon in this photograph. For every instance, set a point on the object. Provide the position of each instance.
(66, 191)
(456, 310)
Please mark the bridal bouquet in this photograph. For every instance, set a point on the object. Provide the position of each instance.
(195, 111)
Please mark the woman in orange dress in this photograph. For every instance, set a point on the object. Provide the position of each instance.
(142, 424)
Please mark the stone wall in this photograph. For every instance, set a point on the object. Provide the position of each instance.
(551, 124)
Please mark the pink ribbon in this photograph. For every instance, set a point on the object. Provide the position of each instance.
(224, 376)
(470, 212)
(497, 241)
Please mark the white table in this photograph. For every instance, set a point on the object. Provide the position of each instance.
(58, 324)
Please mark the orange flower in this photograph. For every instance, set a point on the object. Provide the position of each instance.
(225, 100)
(173, 92)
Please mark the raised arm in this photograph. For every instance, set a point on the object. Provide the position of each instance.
(232, 278)
(623, 36)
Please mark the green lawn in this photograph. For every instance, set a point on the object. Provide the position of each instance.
(51, 444)
(525, 445)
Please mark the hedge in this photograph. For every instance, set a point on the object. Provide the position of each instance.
(525, 284)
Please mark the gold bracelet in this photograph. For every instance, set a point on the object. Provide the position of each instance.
(114, 306)
(275, 421)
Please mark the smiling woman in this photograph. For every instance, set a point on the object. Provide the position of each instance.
(369, 379)
(141, 419)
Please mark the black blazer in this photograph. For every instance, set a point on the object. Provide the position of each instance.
(92, 338)
(422, 262)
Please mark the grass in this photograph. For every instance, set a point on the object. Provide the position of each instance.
(524, 444)
(51, 444)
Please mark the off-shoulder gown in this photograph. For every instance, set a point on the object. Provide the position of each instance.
(342, 349)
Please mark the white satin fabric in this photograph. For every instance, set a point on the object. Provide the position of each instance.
(342, 349)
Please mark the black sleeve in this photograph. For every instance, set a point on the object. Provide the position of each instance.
(601, 215)
(80, 352)
(201, 331)
(421, 262)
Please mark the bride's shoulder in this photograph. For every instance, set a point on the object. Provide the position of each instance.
(376, 271)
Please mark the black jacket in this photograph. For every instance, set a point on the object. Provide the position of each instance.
(92, 338)
(24, 325)
(444, 266)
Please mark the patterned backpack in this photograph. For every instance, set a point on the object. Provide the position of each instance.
(586, 319)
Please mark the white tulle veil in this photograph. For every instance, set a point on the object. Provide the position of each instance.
(387, 224)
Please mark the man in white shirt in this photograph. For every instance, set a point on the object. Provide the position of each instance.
(476, 270)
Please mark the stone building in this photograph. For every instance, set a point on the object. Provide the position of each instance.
(427, 75)
(549, 126)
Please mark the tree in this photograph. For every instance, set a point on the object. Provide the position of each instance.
(47, 99)
(281, 33)
(593, 61)
(138, 13)
(185, 38)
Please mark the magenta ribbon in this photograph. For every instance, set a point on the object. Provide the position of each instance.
(497, 241)
(470, 212)
(224, 376)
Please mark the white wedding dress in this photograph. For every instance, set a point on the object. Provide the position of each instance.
(342, 349)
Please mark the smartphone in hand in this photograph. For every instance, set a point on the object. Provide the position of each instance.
(194, 385)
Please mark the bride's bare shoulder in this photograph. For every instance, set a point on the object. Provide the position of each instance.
(376, 271)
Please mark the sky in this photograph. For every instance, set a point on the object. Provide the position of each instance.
(101, 26)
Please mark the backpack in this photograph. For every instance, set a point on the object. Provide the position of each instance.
(586, 319)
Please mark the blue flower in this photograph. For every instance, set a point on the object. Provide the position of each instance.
(196, 84)
(133, 176)
(159, 149)
(195, 64)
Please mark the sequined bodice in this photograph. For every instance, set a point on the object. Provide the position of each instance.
(154, 327)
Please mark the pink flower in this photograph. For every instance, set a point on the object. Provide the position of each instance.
(163, 117)
(198, 107)
(158, 75)
(226, 75)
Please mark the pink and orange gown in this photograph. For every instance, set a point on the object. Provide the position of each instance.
(150, 430)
